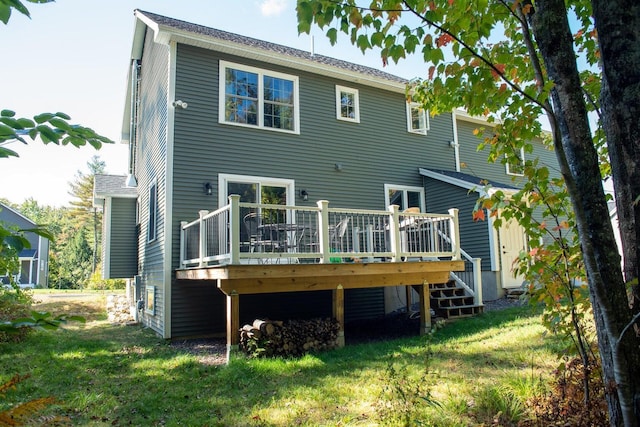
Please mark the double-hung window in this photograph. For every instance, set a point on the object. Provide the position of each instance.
(152, 232)
(417, 118)
(347, 104)
(258, 98)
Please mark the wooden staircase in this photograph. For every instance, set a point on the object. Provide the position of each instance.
(450, 301)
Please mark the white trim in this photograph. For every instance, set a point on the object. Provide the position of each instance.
(356, 104)
(404, 189)
(224, 178)
(493, 243)
(223, 65)
(270, 56)
(456, 140)
(106, 220)
(152, 185)
(168, 199)
(451, 180)
(522, 165)
(425, 116)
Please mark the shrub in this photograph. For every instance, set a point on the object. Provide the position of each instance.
(98, 283)
(14, 303)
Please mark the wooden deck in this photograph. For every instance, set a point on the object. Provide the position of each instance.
(244, 279)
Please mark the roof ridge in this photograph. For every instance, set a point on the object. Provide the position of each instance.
(269, 46)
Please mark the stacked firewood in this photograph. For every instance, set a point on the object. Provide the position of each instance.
(294, 338)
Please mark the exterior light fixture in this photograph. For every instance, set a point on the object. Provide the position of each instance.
(304, 195)
(208, 188)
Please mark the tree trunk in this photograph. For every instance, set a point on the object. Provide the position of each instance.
(618, 25)
(582, 174)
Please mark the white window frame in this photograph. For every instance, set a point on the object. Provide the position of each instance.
(261, 102)
(223, 179)
(356, 104)
(425, 117)
(405, 198)
(152, 230)
(508, 168)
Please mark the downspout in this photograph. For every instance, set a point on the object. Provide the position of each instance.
(135, 80)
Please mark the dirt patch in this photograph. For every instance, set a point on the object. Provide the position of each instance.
(91, 306)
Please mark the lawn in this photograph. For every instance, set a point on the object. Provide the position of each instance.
(473, 371)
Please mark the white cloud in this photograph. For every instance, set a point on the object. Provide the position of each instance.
(273, 7)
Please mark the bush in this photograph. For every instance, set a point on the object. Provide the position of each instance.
(566, 404)
(96, 282)
(14, 303)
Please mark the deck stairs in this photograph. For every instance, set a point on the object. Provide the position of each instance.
(450, 301)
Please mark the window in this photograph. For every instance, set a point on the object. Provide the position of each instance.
(347, 104)
(514, 168)
(258, 98)
(404, 196)
(417, 119)
(152, 232)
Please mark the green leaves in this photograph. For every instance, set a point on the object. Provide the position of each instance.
(38, 320)
(49, 127)
(7, 5)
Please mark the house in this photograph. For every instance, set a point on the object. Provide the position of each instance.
(259, 173)
(34, 261)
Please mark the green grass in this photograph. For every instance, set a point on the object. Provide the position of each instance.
(480, 370)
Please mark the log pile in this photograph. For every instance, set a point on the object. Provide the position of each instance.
(267, 338)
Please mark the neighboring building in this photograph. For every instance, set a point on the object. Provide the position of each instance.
(34, 261)
(210, 114)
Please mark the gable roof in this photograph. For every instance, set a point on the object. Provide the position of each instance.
(166, 30)
(13, 212)
(111, 186)
(466, 181)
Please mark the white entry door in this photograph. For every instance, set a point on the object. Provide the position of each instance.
(512, 242)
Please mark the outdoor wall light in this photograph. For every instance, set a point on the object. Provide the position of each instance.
(304, 195)
(208, 188)
(338, 167)
(180, 104)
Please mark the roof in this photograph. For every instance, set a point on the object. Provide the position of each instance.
(166, 30)
(273, 48)
(28, 253)
(16, 213)
(464, 180)
(111, 186)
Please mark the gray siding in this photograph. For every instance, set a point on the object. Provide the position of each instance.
(198, 309)
(123, 256)
(151, 154)
(474, 235)
(374, 152)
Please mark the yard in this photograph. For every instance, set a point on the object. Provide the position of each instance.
(475, 371)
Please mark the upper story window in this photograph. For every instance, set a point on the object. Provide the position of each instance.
(258, 98)
(516, 168)
(152, 232)
(417, 118)
(347, 104)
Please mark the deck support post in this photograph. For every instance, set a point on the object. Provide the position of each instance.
(425, 308)
(233, 322)
(338, 312)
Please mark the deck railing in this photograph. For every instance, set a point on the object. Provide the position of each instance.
(243, 233)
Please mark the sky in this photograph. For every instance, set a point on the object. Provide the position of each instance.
(73, 55)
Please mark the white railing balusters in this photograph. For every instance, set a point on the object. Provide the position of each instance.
(316, 234)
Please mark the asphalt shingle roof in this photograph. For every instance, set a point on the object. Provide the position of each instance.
(480, 182)
(268, 46)
(112, 184)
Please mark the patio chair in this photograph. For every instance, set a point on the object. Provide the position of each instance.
(257, 242)
(336, 234)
